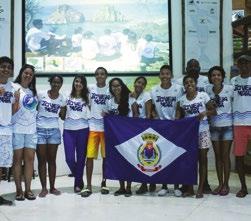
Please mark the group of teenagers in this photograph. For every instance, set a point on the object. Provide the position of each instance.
(29, 123)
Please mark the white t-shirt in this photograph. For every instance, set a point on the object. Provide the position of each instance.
(165, 100)
(24, 121)
(141, 101)
(6, 101)
(77, 114)
(194, 107)
(112, 106)
(202, 82)
(48, 110)
(34, 37)
(98, 100)
(242, 101)
(223, 101)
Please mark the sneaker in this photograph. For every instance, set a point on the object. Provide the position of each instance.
(5, 202)
(142, 190)
(177, 193)
(104, 189)
(163, 192)
(85, 193)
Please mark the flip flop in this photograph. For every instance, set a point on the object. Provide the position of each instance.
(242, 193)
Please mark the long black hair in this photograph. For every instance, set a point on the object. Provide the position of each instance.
(84, 92)
(123, 107)
(32, 85)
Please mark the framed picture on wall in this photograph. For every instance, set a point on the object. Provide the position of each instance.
(125, 36)
(202, 32)
(6, 27)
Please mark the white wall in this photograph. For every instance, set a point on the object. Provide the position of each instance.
(177, 56)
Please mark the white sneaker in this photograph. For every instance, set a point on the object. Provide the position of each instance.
(177, 193)
(163, 192)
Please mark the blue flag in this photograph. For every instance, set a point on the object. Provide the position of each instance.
(151, 151)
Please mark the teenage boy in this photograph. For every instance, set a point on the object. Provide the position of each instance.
(99, 95)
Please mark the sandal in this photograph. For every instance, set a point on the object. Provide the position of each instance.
(242, 193)
(199, 195)
(55, 192)
(187, 194)
(85, 193)
(29, 195)
(20, 197)
(224, 191)
(120, 192)
(217, 190)
(128, 193)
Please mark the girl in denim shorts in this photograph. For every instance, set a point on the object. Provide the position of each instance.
(24, 131)
(221, 126)
(49, 136)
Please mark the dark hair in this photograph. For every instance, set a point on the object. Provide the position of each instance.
(141, 77)
(32, 85)
(216, 68)
(101, 68)
(84, 92)
(5, 59)
(37, 22)
(54, 76)
(165, 66)
(193, 60)
(123, 107)
(189, 76)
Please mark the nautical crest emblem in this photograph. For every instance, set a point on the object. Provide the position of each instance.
(30, 102)
(149, 153)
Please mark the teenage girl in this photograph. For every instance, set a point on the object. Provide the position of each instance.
(195, 103)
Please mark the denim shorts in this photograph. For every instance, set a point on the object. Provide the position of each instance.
(24, 141)
(48, 136)
(221, 133)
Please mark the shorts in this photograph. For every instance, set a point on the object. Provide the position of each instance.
(24, 141)
(48, 136)
(205, 140)
(242, 134)
(221, 133)
(6, 151)
(95, 140)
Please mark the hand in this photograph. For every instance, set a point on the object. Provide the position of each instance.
(202, 115)
(17, 96)
(2, 91)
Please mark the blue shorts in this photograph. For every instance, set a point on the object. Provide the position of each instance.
(221, 133)
(48, 136)
(24, 141)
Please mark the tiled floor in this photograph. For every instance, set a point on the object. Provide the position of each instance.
(71, 207)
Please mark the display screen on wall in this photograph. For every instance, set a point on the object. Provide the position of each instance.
(124, 36)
